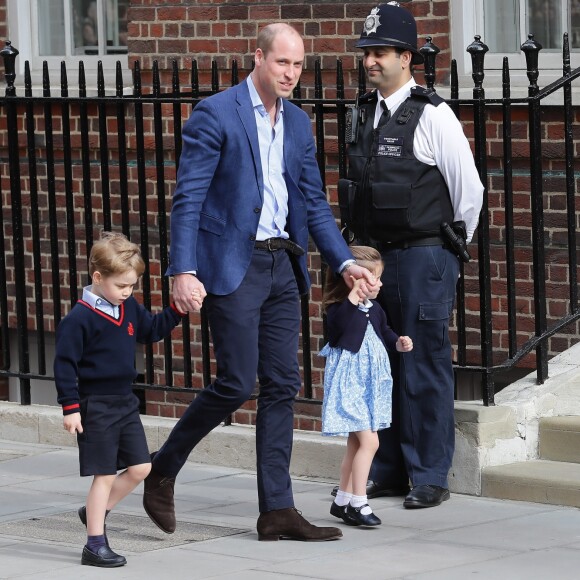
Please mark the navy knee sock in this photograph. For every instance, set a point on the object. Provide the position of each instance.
(96, 542)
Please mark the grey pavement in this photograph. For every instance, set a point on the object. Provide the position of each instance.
(42, 538)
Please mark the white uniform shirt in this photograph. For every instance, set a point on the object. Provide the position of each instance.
(440, 140)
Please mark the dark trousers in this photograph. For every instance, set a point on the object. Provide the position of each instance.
(254, 331)
(418, 294)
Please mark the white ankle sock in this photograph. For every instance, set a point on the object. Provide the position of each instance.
(360, 500)
(342, 498)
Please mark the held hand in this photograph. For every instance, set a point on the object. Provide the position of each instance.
(72, 423)
(368, 281)
(188, 293)
(404, 344)
(356, 295)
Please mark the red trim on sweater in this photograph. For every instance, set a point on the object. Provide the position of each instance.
(105, 315)
(177, 311)
(69, 407)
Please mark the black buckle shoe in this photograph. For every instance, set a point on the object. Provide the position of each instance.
(340, 512)
(362, 519)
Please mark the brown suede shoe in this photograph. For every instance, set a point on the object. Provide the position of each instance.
(288, 524)
(158, 501)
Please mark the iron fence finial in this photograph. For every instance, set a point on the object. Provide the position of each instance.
(9, 54)
(477, 50)
(429, 52)
(531, 49)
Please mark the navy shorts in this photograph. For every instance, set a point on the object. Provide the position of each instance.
(113, 437)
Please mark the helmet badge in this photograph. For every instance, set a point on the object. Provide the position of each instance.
(372, 22)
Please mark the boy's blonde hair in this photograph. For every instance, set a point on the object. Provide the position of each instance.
(114, 254)
(335, 289)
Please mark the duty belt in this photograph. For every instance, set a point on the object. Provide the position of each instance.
(274, 244)
(403, 245)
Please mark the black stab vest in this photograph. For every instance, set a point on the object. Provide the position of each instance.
(398, 198)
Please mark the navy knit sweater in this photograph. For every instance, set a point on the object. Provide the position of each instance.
(95, 354)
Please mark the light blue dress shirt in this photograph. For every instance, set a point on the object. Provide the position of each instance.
(271, 140)
(99, 303)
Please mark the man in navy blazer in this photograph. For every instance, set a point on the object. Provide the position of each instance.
(248, 195)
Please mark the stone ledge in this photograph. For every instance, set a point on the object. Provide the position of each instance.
(478, 429)
(567, 423)
(483, 436)
(540, 481)
(228, 446)
(560, 439)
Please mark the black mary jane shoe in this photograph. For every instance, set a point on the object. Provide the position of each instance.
(104, 558)
(340, 512)
(355, 514)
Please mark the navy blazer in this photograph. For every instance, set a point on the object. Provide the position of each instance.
(347, 324)
(220, 190)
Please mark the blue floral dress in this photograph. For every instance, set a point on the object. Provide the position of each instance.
(357, 387)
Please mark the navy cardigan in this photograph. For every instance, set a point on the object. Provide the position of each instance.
(347, 324)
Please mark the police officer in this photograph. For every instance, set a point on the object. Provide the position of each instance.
(412, 170)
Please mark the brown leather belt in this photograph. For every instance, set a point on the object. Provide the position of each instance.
(274, 244)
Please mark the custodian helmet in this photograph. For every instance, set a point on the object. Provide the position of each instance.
(391, 25)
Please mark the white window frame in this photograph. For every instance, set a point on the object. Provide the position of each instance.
(467, 21)
(23, 34)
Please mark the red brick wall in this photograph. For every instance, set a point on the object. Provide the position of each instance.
(226, 31)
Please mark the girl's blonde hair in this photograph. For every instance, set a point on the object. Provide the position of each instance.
(335, 289)
(114, 254)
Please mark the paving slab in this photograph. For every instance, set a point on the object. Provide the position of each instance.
(555, 563)
(128, 533)
(41, 537)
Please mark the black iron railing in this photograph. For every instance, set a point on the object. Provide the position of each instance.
(74, 164)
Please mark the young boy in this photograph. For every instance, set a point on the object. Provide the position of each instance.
(94, 368)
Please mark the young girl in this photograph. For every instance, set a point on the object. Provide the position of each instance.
(357, 383)
(94, 368)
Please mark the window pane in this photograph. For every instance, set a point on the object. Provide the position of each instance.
(501, 25)
(51, 38)
(575, 24)
(85, 22)
(116, 35)
(545, 22)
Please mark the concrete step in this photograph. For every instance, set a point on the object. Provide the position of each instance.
(541, 481)
(560, 439)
